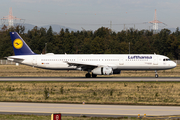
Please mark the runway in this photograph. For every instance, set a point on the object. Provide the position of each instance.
(81, 79)
(87, 109)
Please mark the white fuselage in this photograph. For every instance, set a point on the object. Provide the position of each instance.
(116, 61)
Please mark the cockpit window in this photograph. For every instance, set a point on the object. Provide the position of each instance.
(166, 59)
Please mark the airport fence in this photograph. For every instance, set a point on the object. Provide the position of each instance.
(177, 61)
(7, 62)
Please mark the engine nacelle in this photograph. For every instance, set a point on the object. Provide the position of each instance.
(102, 71)
(79, 68)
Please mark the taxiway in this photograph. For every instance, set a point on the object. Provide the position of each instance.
(81, 79)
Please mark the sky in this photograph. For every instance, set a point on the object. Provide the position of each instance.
(93, 14)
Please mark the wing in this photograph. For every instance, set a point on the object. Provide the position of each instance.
(85, 66)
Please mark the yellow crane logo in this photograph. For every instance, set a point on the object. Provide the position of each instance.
(18, 43)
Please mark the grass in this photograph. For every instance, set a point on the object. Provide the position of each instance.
(27, 71)
(145, 93)
(39, 117)
(24, 117)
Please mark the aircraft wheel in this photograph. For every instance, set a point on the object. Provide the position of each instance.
(156, 75)
(88, 75)
(94, 76)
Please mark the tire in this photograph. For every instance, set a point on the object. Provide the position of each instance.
(88, 75)
(94, 76)
(156, 75)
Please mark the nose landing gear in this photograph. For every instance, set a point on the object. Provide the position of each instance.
(156, 74)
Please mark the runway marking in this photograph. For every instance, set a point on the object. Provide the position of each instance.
(89, 108)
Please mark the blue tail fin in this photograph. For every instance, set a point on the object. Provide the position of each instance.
(19, 46)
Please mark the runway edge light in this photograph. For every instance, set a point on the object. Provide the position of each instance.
(56, 116)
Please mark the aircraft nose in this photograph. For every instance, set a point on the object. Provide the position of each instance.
(173, 64)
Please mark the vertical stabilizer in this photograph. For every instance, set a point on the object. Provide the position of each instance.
(19, 45)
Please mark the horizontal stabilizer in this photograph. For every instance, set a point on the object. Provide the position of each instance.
(19, 60)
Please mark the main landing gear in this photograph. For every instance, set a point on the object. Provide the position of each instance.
(156, 74)
(88, 75)
(94, 76)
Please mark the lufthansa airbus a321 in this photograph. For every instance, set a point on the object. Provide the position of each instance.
(97, 64)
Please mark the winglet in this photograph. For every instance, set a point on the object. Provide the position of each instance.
(19, 45)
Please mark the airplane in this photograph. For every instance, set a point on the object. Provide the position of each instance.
(97, 64)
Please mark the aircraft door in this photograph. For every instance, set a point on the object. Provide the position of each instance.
(121, 61)
(35, 61)
(79, 59)
(155, 60)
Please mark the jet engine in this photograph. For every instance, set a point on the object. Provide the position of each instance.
(102, 71)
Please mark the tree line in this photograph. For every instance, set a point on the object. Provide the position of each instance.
(101, 41)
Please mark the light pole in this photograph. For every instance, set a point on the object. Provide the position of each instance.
(45, 48)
